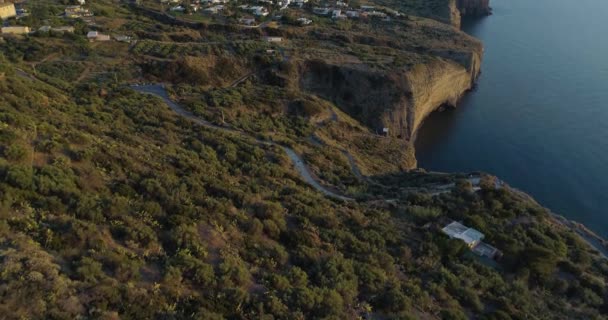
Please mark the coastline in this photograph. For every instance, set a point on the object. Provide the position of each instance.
(593, 239)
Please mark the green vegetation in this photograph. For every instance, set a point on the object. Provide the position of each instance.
(113, 206)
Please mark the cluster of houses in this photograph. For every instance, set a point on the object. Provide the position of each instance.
(473, 239)
(335, 9)
(213, 6)
(96, 36)
(77, 11)
(342, 11)
(9, 11)
(258, 11)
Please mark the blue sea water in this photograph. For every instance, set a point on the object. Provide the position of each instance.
(538, 118)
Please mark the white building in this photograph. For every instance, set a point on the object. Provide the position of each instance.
(96, 36)
(273, 39)
(352, 14)
(259, 11)
(457, 230)
(15, 30)
(248, 21)
(304, 21)
(321, 11)
(214, 9)
(337, 14)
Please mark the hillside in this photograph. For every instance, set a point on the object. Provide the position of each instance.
(114, 206)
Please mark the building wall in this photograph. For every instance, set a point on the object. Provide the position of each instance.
(7, 10)
(15, 30)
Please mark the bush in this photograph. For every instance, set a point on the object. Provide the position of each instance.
(15, 152)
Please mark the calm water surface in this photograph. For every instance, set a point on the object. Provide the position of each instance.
(539, 116)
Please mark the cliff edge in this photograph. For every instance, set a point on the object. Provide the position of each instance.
(474, 8)
(398, 100)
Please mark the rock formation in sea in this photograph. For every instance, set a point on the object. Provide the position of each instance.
(474, 8)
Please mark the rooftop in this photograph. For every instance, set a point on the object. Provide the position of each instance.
(460, 231)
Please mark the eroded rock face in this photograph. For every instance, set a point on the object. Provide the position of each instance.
(399, 100)
(453, 11)
(452, 14)
(474, 8)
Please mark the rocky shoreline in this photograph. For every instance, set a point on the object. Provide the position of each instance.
(481, 8)
(593, 239)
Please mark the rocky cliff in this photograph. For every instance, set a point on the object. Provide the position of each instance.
(474, 7)
(452, 11)
(398, 99)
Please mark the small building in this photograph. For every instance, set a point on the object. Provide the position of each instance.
(377, 14)
(177, 9)
(485, 250)
(352, 14)
(64, 29)
(7, 10)
(96, 36)
(304, 21)
(259, 11)
(337, 14)
(121, 38)
(273, 39)
(321, 11)
(470, 236)
(214, 9)
(76, 12)
(248, 21)
(15, 30)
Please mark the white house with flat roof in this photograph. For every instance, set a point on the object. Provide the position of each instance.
(457, 230)
(472, 238)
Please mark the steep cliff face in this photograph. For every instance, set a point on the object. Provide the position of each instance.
(399, 100)
(474, 7)
(452, 11)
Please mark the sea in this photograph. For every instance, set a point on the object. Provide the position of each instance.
(538, 117)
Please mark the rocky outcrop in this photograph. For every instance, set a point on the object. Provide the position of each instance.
(474, 8)
(399, 100)
(452, 11)
(450, 14)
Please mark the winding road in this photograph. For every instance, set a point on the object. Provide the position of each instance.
(159, 91)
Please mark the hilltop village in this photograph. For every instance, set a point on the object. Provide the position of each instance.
(245, 13)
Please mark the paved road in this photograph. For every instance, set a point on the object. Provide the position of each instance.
(300, 166)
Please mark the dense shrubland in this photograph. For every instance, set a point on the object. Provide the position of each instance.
(119, 208)
(112, 206)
